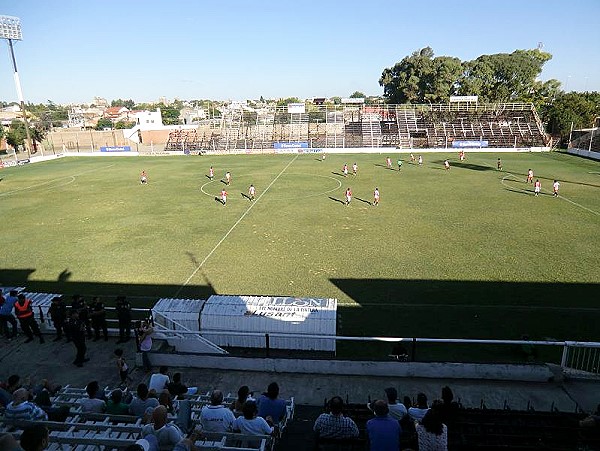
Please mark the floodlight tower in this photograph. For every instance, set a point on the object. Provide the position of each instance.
(10, 29)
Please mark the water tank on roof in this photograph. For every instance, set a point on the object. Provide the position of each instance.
(312, 321)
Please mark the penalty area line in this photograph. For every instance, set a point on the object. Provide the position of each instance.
(233, 227)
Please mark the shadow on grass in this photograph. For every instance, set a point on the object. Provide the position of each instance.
(208, 177)
(338, 173)
(337, 200)
(468, 310)
(362, 200)
(383, 166)
(471, 166)
(140, 295)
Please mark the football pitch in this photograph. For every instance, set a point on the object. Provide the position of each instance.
(464, 253)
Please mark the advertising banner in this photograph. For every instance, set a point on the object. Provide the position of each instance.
(115, 149)
(460, 144)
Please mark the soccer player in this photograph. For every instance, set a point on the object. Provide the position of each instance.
(345, 169)
(228, 178)
(399, 164)
(354, 169)
(461, 155)
(376, 197)
(388, 162)
(348, 196)
(529, 176)
(499, 164)
(412, 158)
(211, 173)
(420, 160)
(323, 156)
(555, 188)
(251, 192)
(446, 165)
(223, 196)
(537, 187)
(143, 178)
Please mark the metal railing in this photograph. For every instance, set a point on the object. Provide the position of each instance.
(580, 356)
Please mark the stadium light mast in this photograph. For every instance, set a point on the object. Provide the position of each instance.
(10, 29)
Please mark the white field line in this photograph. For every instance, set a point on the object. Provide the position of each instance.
(233, 227)
(559, 196)
(37, 185)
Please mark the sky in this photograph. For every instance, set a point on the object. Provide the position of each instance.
(73, 50)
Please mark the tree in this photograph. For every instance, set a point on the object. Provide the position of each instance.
(577, 108)
(104, 123)
(16, 134)
(129, 104)
(170, 115)
(283, 102)
(503, 77)
(357, 95)
(119, 125)
(421, 77)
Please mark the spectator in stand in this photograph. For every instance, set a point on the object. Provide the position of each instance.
(58, 315)
(334, 424)
(383, 431)
(6, 316)
(76, 329)
(22, 409)
(13, 383)
(244, 394)
(396, 410)
(35, 437)
(216, 417)
(8, 442)
(270, 407)
(251, 424)
(141, 403)
(79, 304)
(165, 399)
(417, 413)
(98, 316)
(178, 389)
(92, 404)
(122, 367)
(115, 405)
(24, 312)
(158, 381)
(167, 434)
(448, 408)
(124, 315)
(144, 334)
(432, 433)
(5, 397)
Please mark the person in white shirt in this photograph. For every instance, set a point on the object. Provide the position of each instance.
(92, 404)
(250, 423)
(396, 409)
(158, 381)
(216, 417)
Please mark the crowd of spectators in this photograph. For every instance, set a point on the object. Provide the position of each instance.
(165, 415)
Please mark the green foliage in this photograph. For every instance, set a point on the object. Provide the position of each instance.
(336, 100)
(421, 78)
(119, 125)
(577, 108)
(357, 95)
(16, 134)
(283, 102)
(501, 77)
(170, 114)
(104, 123)
(129, 104)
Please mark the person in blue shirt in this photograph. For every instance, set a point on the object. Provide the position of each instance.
(6, 307)
(269, 406)
(383, 431)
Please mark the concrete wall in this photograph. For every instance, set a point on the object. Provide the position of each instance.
(532, 372)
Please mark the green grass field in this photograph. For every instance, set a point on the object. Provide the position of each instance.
(468, 252)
